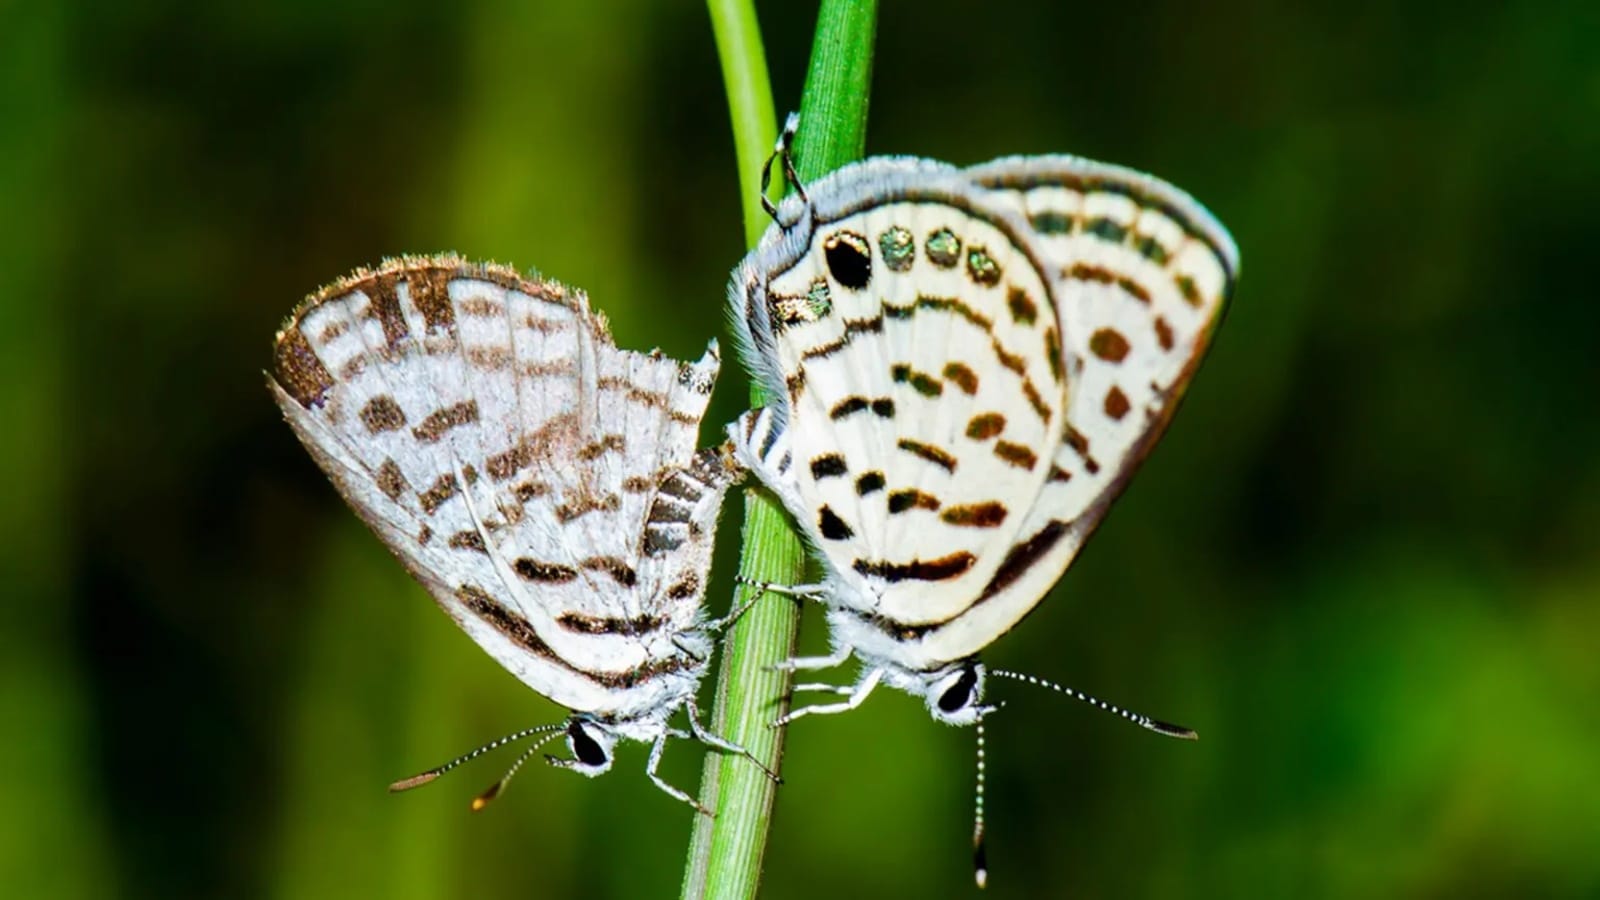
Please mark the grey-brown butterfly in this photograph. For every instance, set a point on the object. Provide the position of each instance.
(542, 485)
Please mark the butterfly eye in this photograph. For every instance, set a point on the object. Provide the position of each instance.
(584, 747)
(960, 694)
(849, 259)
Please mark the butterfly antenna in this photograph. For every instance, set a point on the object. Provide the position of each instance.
(782, 150)
(1143, 721)
(980, 855)
(406, 784)
(482, 800)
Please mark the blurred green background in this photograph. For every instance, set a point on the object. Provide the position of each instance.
(1364, 564)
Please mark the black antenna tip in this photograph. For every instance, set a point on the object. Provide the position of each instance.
(1173, 731)
(980, 862)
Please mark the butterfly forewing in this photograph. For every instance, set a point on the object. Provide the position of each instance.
(512, 456)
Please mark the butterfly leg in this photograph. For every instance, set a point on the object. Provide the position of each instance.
(842, 689)
(711, 739)
(809, 663)
(655, 763)
(796, 590)
(857, 695)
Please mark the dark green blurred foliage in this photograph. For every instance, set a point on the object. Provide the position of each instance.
(1364, 564)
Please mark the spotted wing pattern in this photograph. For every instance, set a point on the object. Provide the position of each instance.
(922, 367)
(1142, 274)
(1000, 344)
(542, 484)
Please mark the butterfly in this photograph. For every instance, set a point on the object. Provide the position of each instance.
(965, 367)
(542, 485)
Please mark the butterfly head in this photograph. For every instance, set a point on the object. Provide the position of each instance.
(591, 744)
(955, 694)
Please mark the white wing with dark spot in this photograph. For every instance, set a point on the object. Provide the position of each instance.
(967, 365)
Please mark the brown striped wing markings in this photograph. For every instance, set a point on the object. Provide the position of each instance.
(950, 348)
(562, 419)
(1137, 276)
(1142, 276)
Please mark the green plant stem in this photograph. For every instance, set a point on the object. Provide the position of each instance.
(744, 73)
(725, 852)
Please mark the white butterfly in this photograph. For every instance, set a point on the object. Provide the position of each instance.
(542, 484)
(965, 367)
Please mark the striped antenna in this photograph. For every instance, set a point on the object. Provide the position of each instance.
(1143, 721)
(482, 800)
(406, 784)
(980, 855)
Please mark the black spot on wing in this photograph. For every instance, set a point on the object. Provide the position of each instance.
(849, 259)
(829, 465)
(832, 527)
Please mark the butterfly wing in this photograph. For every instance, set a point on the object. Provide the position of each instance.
(1142, 274)
(1110, 284)
(909, 337)
(510, 455)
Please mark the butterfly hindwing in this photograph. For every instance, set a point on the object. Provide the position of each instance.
(1142, 275)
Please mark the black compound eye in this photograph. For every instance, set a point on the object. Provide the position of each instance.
(958, 695)
(586, 748)
(849, 259)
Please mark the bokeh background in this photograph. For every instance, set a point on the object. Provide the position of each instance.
(1364, 564)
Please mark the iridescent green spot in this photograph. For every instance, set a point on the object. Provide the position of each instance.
(1051, 223)
(921, 382)
(815, 303)
(982, 268)
(819, 299)
(944, 248)
(1107, 230)
(899, 249)
(1151, 249)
